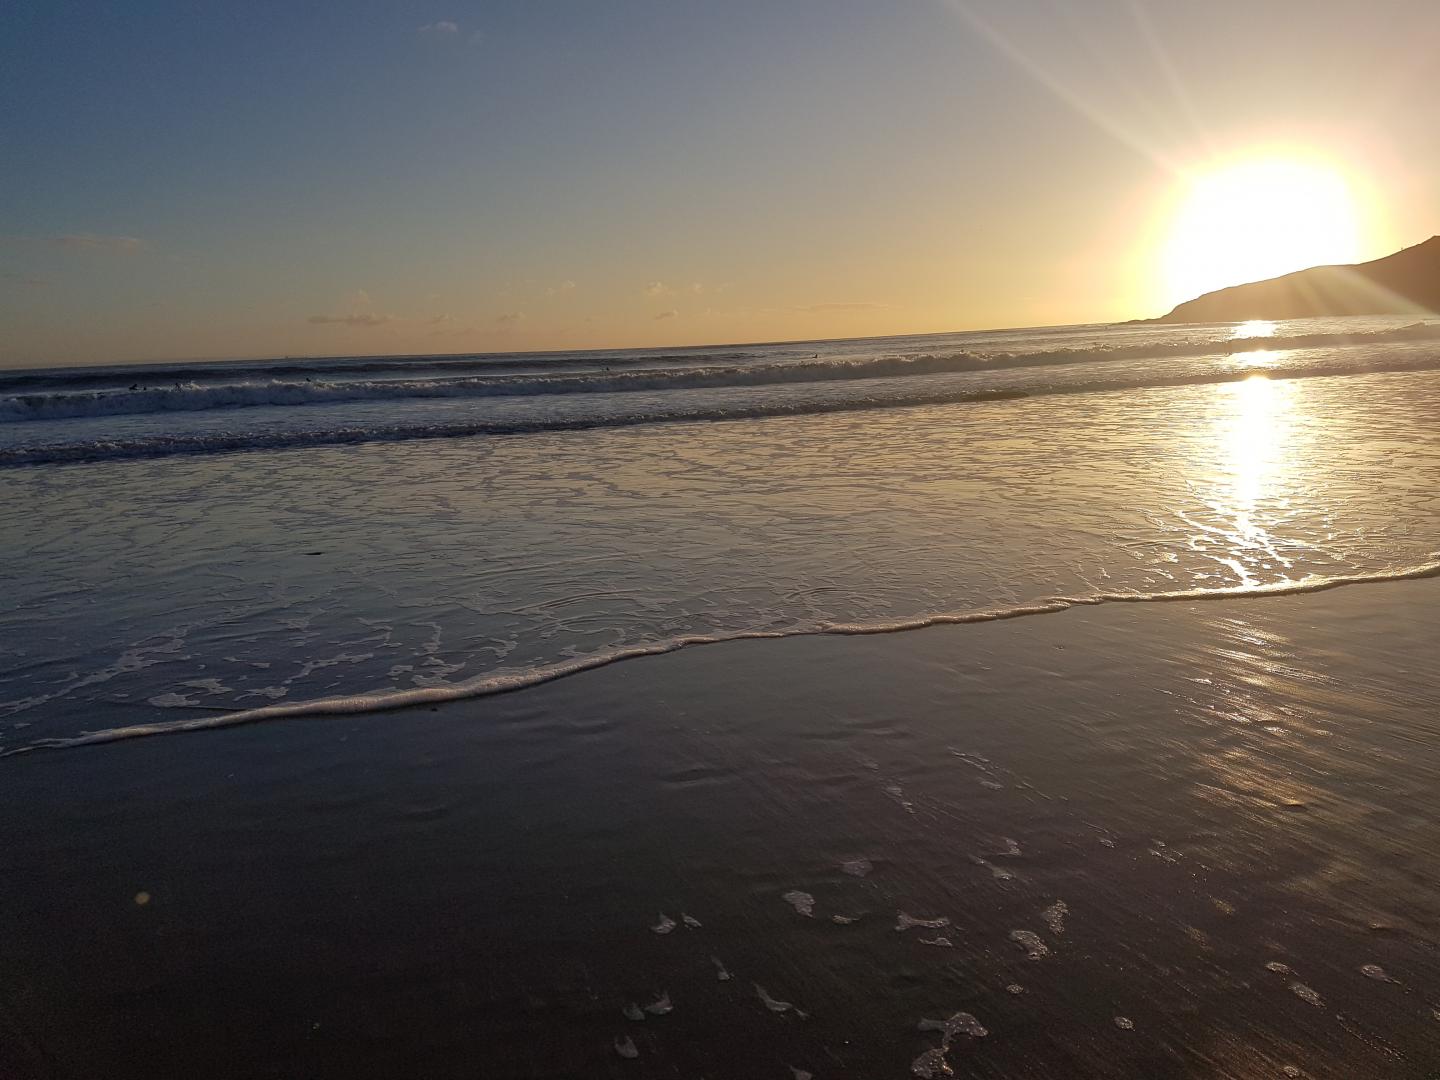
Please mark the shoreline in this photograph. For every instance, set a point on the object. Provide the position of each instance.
(474, 888)
(506, 682)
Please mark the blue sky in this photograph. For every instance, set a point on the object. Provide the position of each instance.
(277, 178)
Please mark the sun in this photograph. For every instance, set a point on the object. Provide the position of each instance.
(1258, 218)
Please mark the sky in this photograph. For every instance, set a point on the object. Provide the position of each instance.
(348, 177)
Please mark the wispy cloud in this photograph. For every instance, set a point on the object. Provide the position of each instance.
(845, 306)
(510, 318)
(441, 28)
(362, 313)
(95, 242)
(657, 289)
(22, 279)
(360, 319)
(561, 289)
(667, 315)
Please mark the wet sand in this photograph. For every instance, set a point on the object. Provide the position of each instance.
(1166, 840)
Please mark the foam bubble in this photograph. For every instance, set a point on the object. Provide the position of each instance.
(857, 867)
(1054, 917)
(939, 940)
(1031, 943)
(633, 1011)
(661, 1005)
(1165, 853)
(1304, 993)
(999, 873)
(931, 1064)
(171, 700)
(773, 1004)
(1124, 1023)
(802, 902)
(896, 792)
(905, 922)
(665, 925)
(720, 973)
(209, 686)
(625, 1047)
(961, 1023)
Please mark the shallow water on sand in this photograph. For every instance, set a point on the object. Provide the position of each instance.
(145, 592)
(1180, 840)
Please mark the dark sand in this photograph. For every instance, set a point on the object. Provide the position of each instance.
(469, 892)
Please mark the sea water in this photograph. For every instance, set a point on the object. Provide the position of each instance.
(193, 545)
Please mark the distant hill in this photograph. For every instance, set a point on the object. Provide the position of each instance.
(1405, 283)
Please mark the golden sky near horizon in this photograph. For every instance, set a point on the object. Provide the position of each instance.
(378, 179)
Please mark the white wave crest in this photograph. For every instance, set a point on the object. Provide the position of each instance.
(509, 681)
(203, 396)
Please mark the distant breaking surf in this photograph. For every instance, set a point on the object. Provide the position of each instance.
(202, 393)
(896, 394)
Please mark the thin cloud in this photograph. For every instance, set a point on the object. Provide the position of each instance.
(657, 289)
(361, 319)
(510, 317)
(23, 279)
(443, 27)
(95, 242)
(667, 315)
(848, 306)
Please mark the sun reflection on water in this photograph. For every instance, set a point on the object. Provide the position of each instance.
(1254, 454)
(1253, 329)
(1254, 438)
(1258, 358)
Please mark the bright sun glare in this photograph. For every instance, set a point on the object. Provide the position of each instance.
(1259, 218)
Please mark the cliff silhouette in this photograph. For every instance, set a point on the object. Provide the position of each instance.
(1405, 283)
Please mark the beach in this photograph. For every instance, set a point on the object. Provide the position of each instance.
(749, 541)
(1169, 839)
(1100, 720)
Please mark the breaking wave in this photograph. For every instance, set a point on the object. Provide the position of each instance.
(197, 396)
(680, 411)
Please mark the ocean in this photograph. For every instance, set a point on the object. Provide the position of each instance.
(283, 537)
(475, 672)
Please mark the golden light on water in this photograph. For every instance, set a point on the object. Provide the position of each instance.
(1255, 450)
(1259, 218)
(1249, 331)
(1253, 329)
(1257, 358)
